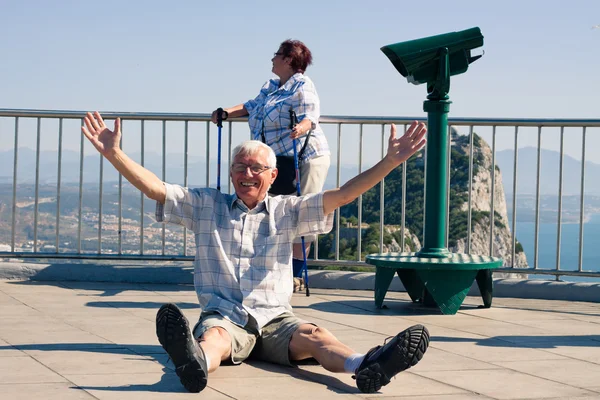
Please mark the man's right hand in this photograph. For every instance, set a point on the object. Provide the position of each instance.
(103, 139)
(107, 142)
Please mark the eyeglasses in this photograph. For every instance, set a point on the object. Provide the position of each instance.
(254, 168)
(277, 54)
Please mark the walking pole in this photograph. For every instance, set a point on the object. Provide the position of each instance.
(294, 122)
(221, 115)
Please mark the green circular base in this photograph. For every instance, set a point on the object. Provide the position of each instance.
(454, 260)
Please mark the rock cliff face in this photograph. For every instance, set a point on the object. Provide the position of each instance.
(411, 241)
(481, 200)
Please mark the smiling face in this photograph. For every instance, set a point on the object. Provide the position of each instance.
(252, 186)
(281, 64)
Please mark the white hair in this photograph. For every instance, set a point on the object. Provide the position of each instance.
(251, 147)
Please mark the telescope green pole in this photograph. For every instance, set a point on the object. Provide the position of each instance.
(437, 107)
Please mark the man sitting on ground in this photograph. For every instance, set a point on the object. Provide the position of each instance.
(243, 271)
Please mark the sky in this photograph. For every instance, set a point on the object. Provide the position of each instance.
(541, 58)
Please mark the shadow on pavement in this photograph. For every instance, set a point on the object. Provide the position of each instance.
(530, 342)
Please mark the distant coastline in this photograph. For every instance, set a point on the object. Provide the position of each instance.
(593, 218)
(570, 219)
(587, 218)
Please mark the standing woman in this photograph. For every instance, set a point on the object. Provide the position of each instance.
(269, 121)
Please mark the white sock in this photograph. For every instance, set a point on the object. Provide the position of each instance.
(353, 362)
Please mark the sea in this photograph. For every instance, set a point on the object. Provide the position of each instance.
(569, 247)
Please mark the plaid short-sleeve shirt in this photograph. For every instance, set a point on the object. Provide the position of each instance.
(243, 257)
(271, 110)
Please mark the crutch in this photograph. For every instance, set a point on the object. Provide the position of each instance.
(221, 115)
(294, 122)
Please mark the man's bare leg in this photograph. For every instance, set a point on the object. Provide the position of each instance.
(216, 344)
(372, 370)
(313, 341)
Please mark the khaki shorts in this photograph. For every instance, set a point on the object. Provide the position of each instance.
(313, 174)
(272, 345)
(312, 179)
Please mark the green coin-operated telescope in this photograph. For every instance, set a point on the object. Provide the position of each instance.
(434, 59)
(434, 275)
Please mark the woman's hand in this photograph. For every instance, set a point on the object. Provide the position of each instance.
(213, 117)
(301, 129)
(231, 112)
(296, 132)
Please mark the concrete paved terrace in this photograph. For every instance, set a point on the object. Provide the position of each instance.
(72, 340)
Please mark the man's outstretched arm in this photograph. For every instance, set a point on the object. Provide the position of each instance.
(107, 142)
(399, 150)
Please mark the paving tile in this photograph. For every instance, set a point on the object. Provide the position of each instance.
(569, 326)
(26, 286)
(253, 369)
(73, 311)
(50, 333)
(440, 333)
(595, 317)
(403, 384)
(26, 370)
(7, 299)
(46, 391)
(140, 342)
(144, 307)
(116, 322)
(19, 311)
(112, 320)
(97, 361)
(171, 290)
(158, 385)
(571, 308)
(580, 350)
(467, 396)
(361, 305)
(273, 388)
(509, 314)
(65, 299)
(576, 373)
(489, 350)
(384, 325)
(449, 321)
(504, 384)
(440, 360)
(493, 329)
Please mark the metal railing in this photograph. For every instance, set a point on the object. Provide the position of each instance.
(200, 124)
